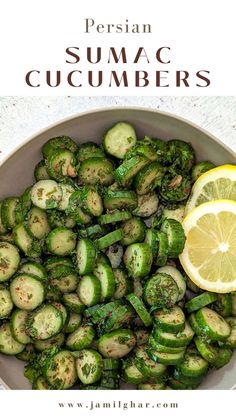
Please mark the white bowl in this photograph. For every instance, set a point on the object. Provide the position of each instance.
(16, 173)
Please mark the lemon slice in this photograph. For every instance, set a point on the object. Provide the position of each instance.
(217, 183)
(209, 255)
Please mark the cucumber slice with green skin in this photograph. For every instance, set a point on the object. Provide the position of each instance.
(67, 190)
(166, 358)
(93, 231)
(178, 278)
(60, 370)
(44, 322)
(148, 178)
(146, 365)
(7, 237)
(125, 173)
(99, 312)
(33, 268)
(114, 217)
(61, 241)
(106, 277)
(40, 171)
(142, 149)
(73, 303)
(26, 243)
(8, 215)
(119, 139)
(140, 309)
(147, 205)
(64, 313)
(65, 284)
(111, 364)
(116, 344)
(175, 236)
(60, 271)
(162, 348)
(178, 385)
(55, 341)
(162, 252)
(212, 324)
(142, 336)
(75, 320)
(133, 231)
(74, 211)
(28, 354)
(187, 380)
(207, 351)
(27, 292)
(193, 365)
(61, 143)
(195, 326)
(152, 239)
(9, 260)
(224, 357)
(230, 342)
(120, 317)
(53, 294)
(96, 170)
(200, 301)
(8, 345)
(223, 305)
(91, 201)
(122, 282)
(109, 239)
(46, 194)
(88, 150)
(161, 291)
(170, 320)
(115, 254)
(80, 338)
(131, 374)
(110, 380)
(54, 261)
(120, 199)
(89, 366)
(174, 214)
(18, 325)
(138, 259)
(233, 298)
(23, 205)
(61, 164)
(85, 256)
(37, 223)
(6, 304)
(89, 290)
(41, 384)
(3, 230)
(147, 386)
(59, 219)
(102, 258)
(174, 340)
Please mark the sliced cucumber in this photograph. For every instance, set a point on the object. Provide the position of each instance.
(174, 213)
(19, 326)
(74, 211)
(80, 338)
(146, 365)
(91, 201)
(120, 317)
(27, 292)
(147, 205)
(74, 322)
(223, 358)
(120, 199)
(61, 241)
(114, 217)
(25, 241)
(152, 239)
(89, 366)
(193, 365)
(138, 259)
(44, 322)
(148, 178)
(40, 171)
(100, 312)
(64, 313)
(67, 283)
(3, 229)
(170, 320)
(62, 142)
(123, 283)
(119, 139)
(166, 358)
(9, 260)
(200, 301)
(55, 341)
(110, 364)
(175, 235)
(85, 256)
(8, 345)
(28, 354)
(109, 239)
(161, 291)
(46, 194)
(89, 290)
(41, 384)
(34, 268)
(37, 223)
(88, 150)
(207, 351)
(178, 278)
(60, 370)
(212, 324)
(8, 212)
(116, 344)
(174, 340)
(148, 386)
(223, 305)
(61, 164)
(131, 374)
(125, 173)
(106, 277)
(162, 252)
(140, 309)
(73, 303)
(6, 304)
(195, 326)
(96, 170)
(133, 231)
(162, 348)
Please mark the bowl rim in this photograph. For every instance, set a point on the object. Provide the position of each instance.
(112, 109)
(109, 109)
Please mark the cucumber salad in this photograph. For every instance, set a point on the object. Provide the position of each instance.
(92, 293)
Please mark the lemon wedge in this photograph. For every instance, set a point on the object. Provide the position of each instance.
(209, 255)
(217, 183)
